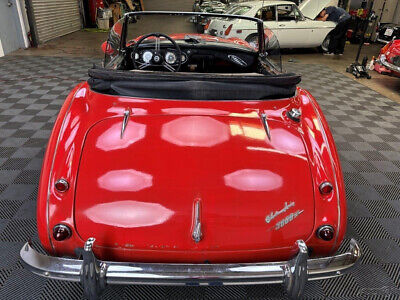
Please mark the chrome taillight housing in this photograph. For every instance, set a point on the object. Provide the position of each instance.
(61, 185)
(325, 188)
(325, 232)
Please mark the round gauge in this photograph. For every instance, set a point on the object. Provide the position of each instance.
(183, 58)
(170, 58)
(147, 56)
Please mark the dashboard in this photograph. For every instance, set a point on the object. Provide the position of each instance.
(204, 57)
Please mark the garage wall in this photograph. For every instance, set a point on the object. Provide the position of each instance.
(178, 5)
(54, 18)
(11, 31)
(396, 18)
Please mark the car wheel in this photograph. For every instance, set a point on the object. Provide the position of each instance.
(325, 44)
(252, 39)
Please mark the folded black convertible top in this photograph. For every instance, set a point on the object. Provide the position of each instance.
(193, 86)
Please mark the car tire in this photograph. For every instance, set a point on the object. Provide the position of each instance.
(325, 44)
(253, 38)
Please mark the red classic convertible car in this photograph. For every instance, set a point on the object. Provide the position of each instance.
(188, 159)
(388, 61)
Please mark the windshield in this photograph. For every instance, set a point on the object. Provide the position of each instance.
(204, 38)
(238, 10)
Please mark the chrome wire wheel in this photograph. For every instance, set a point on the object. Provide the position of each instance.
(325, 43)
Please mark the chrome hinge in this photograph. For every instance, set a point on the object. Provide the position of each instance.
(127, 113)
(266, 126)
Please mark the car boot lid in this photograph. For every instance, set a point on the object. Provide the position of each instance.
(311, 8)
(180, 172)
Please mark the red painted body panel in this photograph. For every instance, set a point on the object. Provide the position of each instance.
(148, 181)
(174, 152)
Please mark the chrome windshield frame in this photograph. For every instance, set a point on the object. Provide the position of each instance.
(259, 22)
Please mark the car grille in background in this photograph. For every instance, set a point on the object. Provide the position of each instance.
(396, 61)
(213, 32)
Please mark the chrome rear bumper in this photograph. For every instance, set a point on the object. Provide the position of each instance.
(294, 273)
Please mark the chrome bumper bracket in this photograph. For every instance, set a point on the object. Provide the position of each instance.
(94, 274)
(296, 272)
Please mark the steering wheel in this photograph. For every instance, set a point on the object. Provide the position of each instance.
(154, 57)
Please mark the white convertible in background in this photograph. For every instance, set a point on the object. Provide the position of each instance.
(294, 26)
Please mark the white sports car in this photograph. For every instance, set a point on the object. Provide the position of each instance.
(294, 26)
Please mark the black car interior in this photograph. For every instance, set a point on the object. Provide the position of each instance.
(160, 52)
(190, 67)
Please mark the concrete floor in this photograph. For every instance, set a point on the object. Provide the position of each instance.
(87, 44)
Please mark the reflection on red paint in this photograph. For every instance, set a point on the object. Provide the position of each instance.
(129, 214)
(287, 141)
(193, 111)
(125, 181)
(195, 131)
(253, 180)
(80, 93)
(111, 138)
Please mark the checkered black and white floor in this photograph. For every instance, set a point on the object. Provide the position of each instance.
(366, 128)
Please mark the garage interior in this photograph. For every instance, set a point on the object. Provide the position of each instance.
(363, 115)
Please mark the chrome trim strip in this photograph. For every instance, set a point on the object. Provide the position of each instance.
(382, 41)
(127, 114)
(266, 126)
(201, 274)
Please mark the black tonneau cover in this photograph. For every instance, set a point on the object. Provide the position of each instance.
(193, 86)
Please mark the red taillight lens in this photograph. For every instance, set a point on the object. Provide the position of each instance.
(61, 232)
(228, 30)
(326, 232)
(61, 185)
(325, 188)
(207, 25)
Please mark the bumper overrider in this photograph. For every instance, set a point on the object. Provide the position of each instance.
(383, 62)
(95, 274)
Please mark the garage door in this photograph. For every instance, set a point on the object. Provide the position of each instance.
(176, 5)
(54, 18)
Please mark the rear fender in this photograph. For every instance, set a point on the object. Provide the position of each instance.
(325, 166)
(47, 166)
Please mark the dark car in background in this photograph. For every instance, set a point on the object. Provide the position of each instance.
(388, 33)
